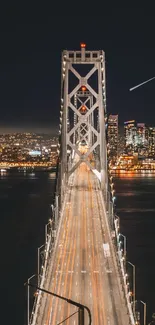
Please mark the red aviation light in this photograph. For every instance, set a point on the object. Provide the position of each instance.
(83, 108)
(83, 88)
(83, 45)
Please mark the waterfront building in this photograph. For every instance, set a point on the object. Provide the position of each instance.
(129, 136)
(141, 144)
(112, 134)
(151, 141)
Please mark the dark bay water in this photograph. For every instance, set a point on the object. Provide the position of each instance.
(135, 205)
(24, 210)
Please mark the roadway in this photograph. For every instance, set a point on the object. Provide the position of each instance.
(79, 269)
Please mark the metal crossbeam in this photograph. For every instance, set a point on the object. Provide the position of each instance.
(83, 111)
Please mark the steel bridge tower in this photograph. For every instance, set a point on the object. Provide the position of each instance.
(82, 115)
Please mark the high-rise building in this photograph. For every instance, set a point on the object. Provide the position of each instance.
(150, 137)
(113, 136)
(141, 143)
(129, 136)
(140, 138)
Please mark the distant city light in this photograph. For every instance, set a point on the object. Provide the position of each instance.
(127, 122)
(34, 153)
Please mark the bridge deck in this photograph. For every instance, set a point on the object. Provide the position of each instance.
(80, 270)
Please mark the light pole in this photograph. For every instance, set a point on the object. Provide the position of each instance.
(39, 261)
(117, 223)
(144, 304)
(144, 313)
(70, 301)
(28, 299)
(134, 284)
(46, 228)
(124, 244)
(52, 209)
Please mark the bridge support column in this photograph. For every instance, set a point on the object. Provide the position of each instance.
(83, 108)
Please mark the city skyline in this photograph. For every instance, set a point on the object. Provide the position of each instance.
(54, 130)
(33, 128)
(85, 247)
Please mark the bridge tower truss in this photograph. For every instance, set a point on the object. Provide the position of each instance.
(83, 113)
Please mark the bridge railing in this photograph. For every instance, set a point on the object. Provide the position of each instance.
(49, 243)
(114, 226)
(125, 286)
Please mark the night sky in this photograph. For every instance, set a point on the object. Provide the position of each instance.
(30, 63)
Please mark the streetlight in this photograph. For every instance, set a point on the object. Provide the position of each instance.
(28, 299)
(49, 223)
(39, 261)
(70, 301)
(144, 304)
(52, 208)
(117, 223)
(144, 313)
(134, 284)
(124, 238)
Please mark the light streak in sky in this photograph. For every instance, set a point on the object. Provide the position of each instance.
(141, 84)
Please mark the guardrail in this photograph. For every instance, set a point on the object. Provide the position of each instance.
(127, 293)
(49, 252)
(114, 226)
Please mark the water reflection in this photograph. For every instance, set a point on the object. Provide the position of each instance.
(52, 175)
(133, 174)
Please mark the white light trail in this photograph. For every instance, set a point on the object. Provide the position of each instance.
(141, 84)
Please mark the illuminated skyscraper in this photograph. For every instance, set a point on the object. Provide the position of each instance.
(136, 138)
(113, 136)
(141, 144)
(140, 139)
(129, 136)
(129, 132)
(151, 141)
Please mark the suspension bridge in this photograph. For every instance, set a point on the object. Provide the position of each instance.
(82, 260)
